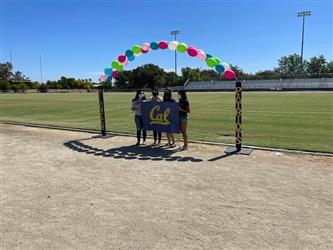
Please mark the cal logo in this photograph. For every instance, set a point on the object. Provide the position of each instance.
(159, 118)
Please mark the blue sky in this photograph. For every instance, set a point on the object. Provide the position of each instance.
(81, 38)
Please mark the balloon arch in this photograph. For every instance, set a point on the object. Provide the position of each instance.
(211, 61)
(122, 61)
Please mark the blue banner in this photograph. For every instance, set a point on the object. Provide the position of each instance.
(161, 116)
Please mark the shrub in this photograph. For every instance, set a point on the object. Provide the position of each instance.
(42, 88)
(22, 87)
(4, 85)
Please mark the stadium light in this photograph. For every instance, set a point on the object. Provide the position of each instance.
(175, 33)
(303, 14)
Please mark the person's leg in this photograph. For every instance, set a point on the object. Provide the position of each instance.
(183, 129)
(159, 137)
(168, 137)
(172, 137)
(155, 136)
(138, 130)
(144, 134)
(138, 137)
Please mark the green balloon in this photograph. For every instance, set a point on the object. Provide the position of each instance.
(211, 62)
(136, 49)
(120, 67)
(218, 60)
(115, 64)
(182, 47)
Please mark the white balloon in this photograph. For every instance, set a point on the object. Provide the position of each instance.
(173, 45)
(137, 55)
(226, 66)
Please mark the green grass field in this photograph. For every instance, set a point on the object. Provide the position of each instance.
(302, 121)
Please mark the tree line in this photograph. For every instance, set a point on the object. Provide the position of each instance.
(290, 66)
(150, 75)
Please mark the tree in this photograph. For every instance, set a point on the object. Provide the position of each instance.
(316, 66)
(291, 66)
(266, 74)
(173, 80)
(148, 76)
(238, 72)
(191, 74)
(329, 68)
(6, 70)
(209, 75)
(21, 87)
(43, 88)
(18, 76)
(4, 85)
(124, 80)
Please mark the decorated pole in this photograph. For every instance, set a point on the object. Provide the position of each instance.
(101, 109)
(238, 121)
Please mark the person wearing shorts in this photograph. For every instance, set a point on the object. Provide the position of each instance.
(184, 110)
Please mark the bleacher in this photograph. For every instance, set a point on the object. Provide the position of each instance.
(262, 85)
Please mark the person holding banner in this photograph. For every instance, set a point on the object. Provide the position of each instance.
(156, 98)
(136, 107)
(167, 97)
(184, 110)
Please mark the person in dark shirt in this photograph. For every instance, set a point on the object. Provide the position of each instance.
(167, 97)
(184, 110)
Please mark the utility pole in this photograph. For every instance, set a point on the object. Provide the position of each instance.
(10, 57)
(303, 14)
(175, 33)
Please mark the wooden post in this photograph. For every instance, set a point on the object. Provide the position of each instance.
(238, 121)
(101, 109)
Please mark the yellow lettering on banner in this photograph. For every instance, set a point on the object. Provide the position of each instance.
(160, 119)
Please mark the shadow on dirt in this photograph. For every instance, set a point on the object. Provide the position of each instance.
(130, 152)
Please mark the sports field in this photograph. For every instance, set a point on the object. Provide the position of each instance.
(294, 120)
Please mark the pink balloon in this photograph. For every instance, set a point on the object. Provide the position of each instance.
(192, 51)
(145, 47)
(229, 74)
(201, 55)
(122, 58)
(114, 74)
(103, 78)
(163, 44)
(125, 63)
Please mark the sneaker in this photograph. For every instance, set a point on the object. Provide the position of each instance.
(184, 147)
(137, 144)
(144, 143)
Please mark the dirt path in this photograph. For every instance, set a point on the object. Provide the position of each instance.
(68, 190)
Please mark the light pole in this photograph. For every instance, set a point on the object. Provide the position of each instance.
(40, 68)
(175, 33)
(10, 57)
(303, 14)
